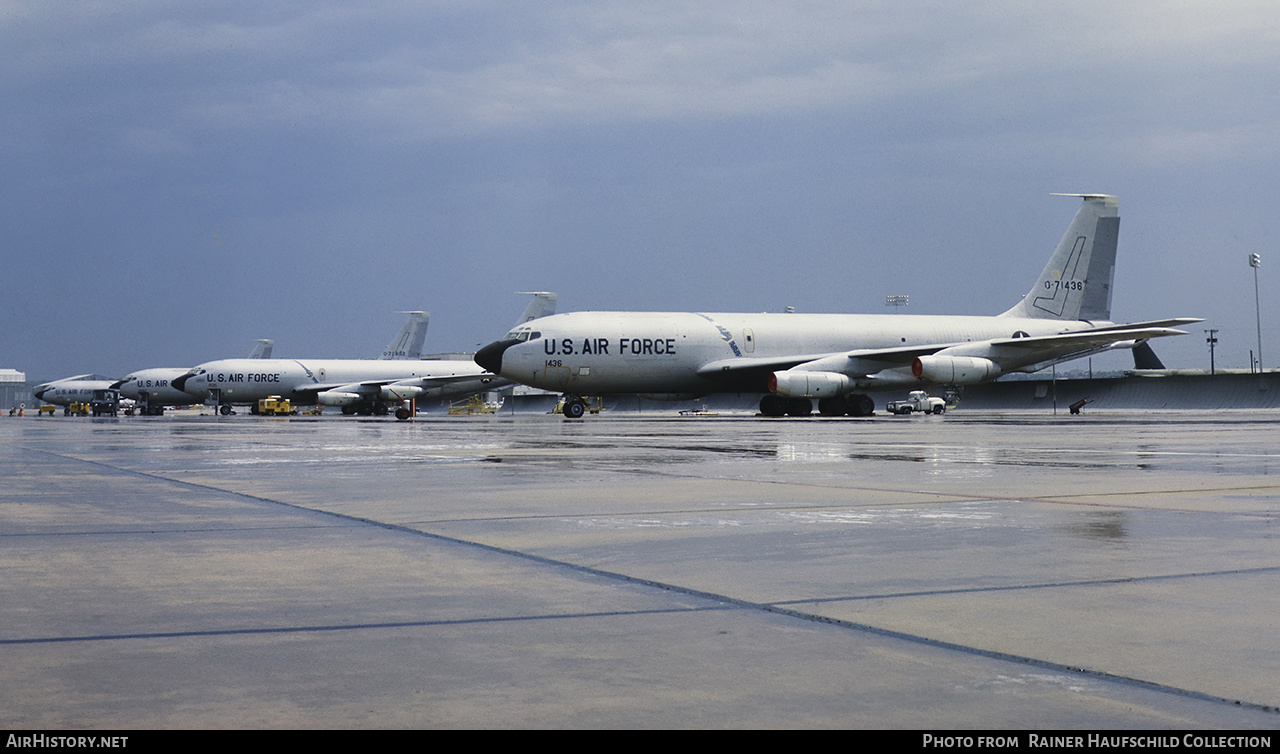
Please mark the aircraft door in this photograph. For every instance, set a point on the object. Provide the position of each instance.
(557, 378)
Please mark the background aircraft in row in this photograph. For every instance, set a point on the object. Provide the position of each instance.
(794, 358)
(148, 387)
(367, 386)
(152, 389)
(77, 389)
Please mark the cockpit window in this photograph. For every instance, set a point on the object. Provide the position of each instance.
(520, 336)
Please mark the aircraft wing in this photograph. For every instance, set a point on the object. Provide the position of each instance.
(1027, 354)
(1034, 353)
(320, 387)
(991, 357)
(374, 386)
(739, 364)
(1175, 322)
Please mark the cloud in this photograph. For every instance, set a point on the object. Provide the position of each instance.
(587, 143)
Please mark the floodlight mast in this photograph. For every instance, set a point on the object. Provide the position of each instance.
(1255, 261)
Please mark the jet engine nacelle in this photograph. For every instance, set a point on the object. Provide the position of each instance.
(955, 370)
(809, 384)
(394, 392)
(339, 398)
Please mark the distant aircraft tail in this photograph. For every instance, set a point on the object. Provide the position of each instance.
(263, 349)
(542, 305)
(408, 343)
(1076, 284)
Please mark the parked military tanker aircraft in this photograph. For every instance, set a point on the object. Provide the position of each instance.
(152, 390)
(364, 386)
(77, 389)
(833, 357)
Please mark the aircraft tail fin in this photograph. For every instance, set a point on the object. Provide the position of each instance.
(1076, 283)
(408, 342)
(263, 349)
(542, 305)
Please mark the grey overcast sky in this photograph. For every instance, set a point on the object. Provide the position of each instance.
(180, 179)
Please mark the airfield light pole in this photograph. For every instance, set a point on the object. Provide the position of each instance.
(1255, 261)
(1212, 340)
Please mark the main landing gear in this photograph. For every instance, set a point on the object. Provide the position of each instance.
(376, 408)
(840, 405)
(576, 406)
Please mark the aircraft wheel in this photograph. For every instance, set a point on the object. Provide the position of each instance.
(574, 409)
(773, 405)
(225, 409)
(861, 405)
(402, 413)
(799, 407)
(348, 410)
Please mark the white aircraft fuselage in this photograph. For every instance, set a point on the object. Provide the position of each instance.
(667, 353)
(70, 390)
(154, 387)
(357, 385)
(335, 382)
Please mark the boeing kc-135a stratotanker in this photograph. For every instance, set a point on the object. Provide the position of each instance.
(794, 358)
(156, 388)
(365, 386)
(152, 389)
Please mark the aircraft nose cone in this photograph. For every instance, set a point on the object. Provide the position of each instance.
(40, 391)
(180, 382)
(490, 357)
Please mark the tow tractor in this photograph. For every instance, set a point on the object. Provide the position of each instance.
(105, 401)
(917, 400)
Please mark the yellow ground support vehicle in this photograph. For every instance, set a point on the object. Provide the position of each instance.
(76, 408)
(47, 408)
(274, 405)
(473, 405)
